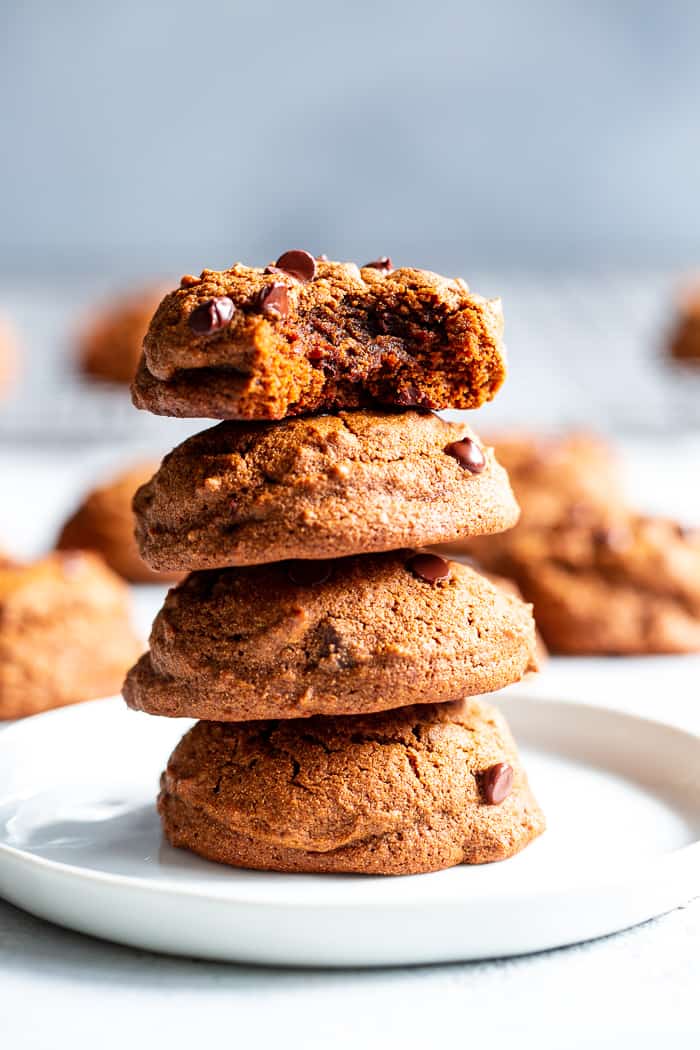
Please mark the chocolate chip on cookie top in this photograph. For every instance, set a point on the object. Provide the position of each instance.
(274, 300)
(429, 567)
(468, 455)
(212, 316)
(297, 264)
(497, 783)
(384, 264)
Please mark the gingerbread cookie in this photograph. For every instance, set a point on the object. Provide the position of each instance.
(355, 635)
(319, 487)
(397, 793)
(65, 633)
(308, 335)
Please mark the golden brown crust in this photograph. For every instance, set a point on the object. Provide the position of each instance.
(391, 794)
(110, 343)
(243, 644)
(104, 522)
(317, 487)
(350, 337)
(65, 633)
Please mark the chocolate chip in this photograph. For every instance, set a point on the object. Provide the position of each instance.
(468, 455)
(308, 573)
(384, 264)
(188, 280)
(274, 300)
(497, 783)
(615, 538)
(212, 316)
(429, 567)
(297, 264)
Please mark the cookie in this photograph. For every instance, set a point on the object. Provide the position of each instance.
(355, 635)
(397, 793)
(308, 335)
(558, 480)
(110, 343)
(684, 344)
(319, 487)
(65, 633)
(8, 357)
(632, 588)
(105, 523)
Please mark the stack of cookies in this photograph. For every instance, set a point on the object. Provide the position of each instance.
(330, 656)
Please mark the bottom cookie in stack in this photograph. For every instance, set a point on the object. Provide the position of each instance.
(400, 792)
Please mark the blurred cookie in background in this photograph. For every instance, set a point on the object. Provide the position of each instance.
(631, 588)
(104, 522)
(9, 360)
(559, 479)
(684, 342)
(110, 341)
(65, 633)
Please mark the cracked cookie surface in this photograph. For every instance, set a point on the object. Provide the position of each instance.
(360, 634)
(275, 345)
(317, 487)
(397, 793)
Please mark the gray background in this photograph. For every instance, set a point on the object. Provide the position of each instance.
(171, 135)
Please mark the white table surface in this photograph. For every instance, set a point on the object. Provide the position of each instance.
(59, 989)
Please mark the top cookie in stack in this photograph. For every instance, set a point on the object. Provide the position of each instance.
(309, 335)
(302, 518)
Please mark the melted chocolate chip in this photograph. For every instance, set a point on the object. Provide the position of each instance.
(384, 264)
(429, 567)
(297, 264)
(212, 316)
(308, 573)
(274, 300)
(497, 783)
(468, 455)
(188, 280)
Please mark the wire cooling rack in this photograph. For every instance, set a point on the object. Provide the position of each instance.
(583, 351)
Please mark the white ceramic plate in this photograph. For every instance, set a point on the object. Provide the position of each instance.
(80, 844)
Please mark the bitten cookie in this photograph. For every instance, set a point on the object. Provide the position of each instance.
(398, 793)
(65, 633)
(105, 523)
(319, 487)
(355, 635)
(308, 335)
(631, 588)
(110, 342)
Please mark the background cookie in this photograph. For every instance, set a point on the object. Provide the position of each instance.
(319, 487)
(110, 343)
(402, 792)
(359, 634)
(105, 523)
(65, 633)
(632, 588)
